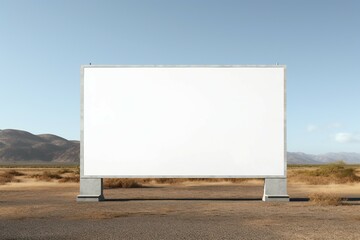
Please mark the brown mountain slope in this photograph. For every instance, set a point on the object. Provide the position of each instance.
(22, 146)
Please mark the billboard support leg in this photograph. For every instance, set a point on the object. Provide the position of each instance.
(91, 190)
(275, 190)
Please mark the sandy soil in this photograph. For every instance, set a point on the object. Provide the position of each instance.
(48, 210)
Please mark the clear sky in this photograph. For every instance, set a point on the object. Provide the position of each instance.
(43, 44)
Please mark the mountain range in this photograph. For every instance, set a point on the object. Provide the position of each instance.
(303, 158)
(18, 146)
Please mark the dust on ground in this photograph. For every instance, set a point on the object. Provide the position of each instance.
(32, 209)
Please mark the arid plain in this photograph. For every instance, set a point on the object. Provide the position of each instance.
(39, 203)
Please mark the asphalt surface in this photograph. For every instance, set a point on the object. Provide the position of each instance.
(139, 227)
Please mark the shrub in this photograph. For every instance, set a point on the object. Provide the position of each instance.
(46, 176)
(8, 176)
(71, 178)
(337, 172)
(181, 180)
(121, 183)
(325, 199)
(15, 173)
(64, 170)
(77, 170)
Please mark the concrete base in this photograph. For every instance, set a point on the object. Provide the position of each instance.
(91, 190)
(83, 198)
(275, 190)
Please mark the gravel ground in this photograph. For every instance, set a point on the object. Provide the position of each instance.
(203, 211)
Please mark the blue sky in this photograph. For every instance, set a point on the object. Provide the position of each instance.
(43, 44)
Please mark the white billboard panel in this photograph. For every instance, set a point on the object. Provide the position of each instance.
(178, 121)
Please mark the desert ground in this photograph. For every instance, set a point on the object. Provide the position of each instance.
(40, 203)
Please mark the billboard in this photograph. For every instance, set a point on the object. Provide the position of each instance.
(183, 121)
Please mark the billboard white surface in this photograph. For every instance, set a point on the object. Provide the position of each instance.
(173, 121)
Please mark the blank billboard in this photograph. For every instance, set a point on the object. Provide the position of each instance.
(183, 121)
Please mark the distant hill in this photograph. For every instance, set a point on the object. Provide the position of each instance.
(18, 146)
(303, 158)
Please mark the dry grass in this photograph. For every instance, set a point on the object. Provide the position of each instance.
(64, 170)
(71, 175)
(76, 170)
(183, 180)
(325, 199)
(9, 176)
(5, 178)
(62, 175)
(335, 173)
(70, 178)
(140, 182)
(121, 183)
(46, 176)
(15, 173)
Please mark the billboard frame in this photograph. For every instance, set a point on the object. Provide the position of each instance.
(268, 178)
